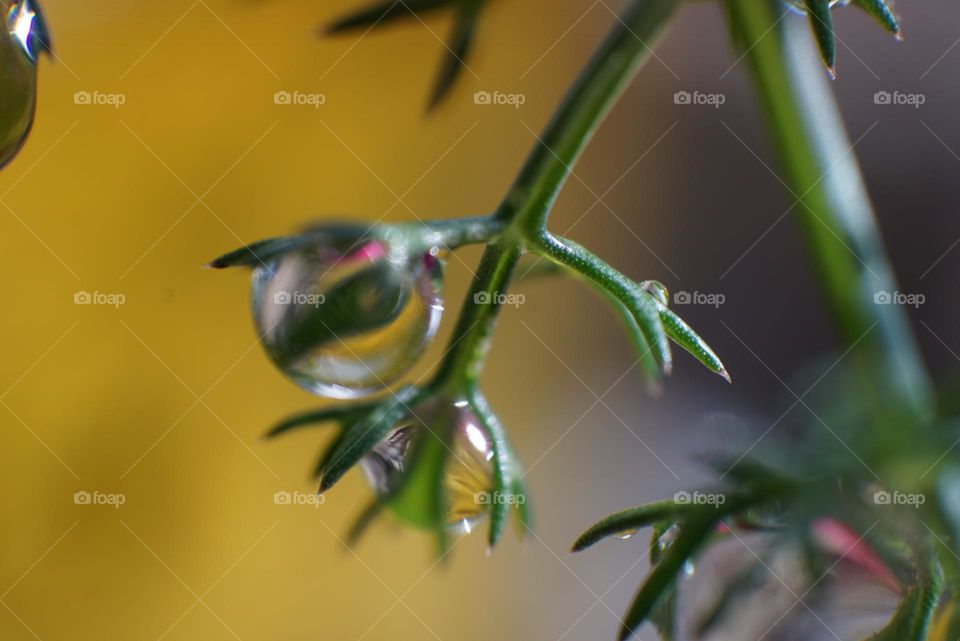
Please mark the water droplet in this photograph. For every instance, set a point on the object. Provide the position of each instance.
(343, 321)
(656, 289)
(626, 535)
(26, 37)
(688, 568)
(800, 6)
(468, 478)
(667, 538)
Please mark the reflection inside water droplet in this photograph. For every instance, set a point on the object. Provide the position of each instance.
(626, 535)
(343, 322)
(468, 478)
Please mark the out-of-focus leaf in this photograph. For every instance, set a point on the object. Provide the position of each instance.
(641, 348)
(316, 417)
(822, 22)
(360, 437)
(632, 519)
(743, 583)
(881, 10)
(664, 615)
(383, 13)
(912, 619)
(660, 583)
(458, 49)
(257, 253)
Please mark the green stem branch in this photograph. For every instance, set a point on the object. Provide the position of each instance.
(832, 208)
(527, 206)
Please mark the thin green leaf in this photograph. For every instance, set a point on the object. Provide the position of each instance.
(363, 521)
(360, 437)
(822, 22)
(632, 519)
(315, 417)
(641, 347)
(684, 336)
(258, 253)
(457, 50)
(664, 615)
(383, 13)
(524, 513)
(911, 621)
(503, 468)
(643, 306)
(693, 534)
(881, 10)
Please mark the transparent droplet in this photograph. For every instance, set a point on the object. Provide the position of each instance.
(800, 6)
(657, 289)
(467, 479)
(344, 321)
(25, 38)
(626, 535)
(667, 538)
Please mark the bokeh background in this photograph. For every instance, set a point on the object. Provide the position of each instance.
(164, 398)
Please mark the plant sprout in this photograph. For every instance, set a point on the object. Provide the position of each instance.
(433, 451)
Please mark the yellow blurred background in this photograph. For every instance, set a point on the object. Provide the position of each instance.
(163, 399)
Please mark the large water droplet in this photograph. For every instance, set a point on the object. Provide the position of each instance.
(344, 321)
(25, 38)
(467, 479)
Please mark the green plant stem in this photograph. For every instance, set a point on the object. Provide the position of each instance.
(527, 205)
(833, 208)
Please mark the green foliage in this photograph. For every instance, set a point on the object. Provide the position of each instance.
(882, 408)
(466, 15)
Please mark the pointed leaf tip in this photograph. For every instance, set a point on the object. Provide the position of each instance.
(821, 19)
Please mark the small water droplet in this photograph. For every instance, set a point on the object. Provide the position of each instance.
(26, 37)
(688, 568)
(800, 6)
(468, 478)
(667, 538)
(344, 321)
(658, 290)
(626, 535)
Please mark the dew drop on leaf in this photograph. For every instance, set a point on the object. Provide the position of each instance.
(658, 290)
(467, 478)
(344, 322)
(25, 38)
(799, 6)
(626, 535)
